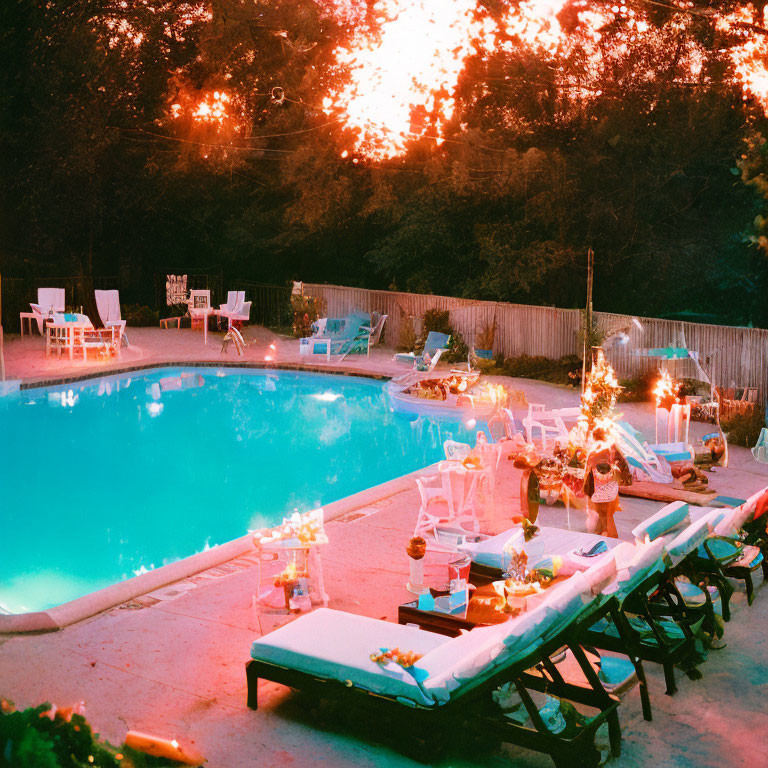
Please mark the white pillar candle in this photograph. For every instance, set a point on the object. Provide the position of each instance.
(416, 581)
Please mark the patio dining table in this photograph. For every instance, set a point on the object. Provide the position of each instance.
(60, 333)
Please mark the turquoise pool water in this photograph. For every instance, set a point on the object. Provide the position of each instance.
(103, 479)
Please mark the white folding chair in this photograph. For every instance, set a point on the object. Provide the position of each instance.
(430, 490)
(455, 451)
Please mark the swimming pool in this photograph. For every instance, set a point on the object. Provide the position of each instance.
(106, 478)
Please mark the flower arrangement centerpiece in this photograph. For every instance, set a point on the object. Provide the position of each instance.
(522, 581)
(305, 529)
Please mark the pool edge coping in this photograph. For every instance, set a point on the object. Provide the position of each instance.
(101, 600)
(37, 383)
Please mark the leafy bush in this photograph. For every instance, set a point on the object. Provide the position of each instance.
(439, 321)
(407, 338)
(566, 370)
(638, 389)
(177, 310)
(595, 336)
(306, 309)
(486, 337)
(35, 738)
(139, 314)
(744, 428)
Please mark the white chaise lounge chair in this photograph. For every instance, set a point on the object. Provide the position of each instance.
(328, 653)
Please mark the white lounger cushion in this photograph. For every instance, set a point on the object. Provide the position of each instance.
(669, 518)
(335, 645)
(693, 536)
(735, 518)
(547, 543)
(468, 659)
(601, 573)
(464, 658)
(490, 552)
(636, 562)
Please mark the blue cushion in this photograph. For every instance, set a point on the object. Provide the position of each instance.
(615, 670)
(693, 536)
(726, 501)
(672, 456)
(436, 341)
(722, 550)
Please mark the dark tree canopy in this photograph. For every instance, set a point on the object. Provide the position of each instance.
(255, 138)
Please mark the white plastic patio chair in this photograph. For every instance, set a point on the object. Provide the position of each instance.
(456, 451)
(235, 300)
(47, 299)
(199, 306)
(241, 314)
(547, 422)
(430, 490)
(760, 451)
(502, 424)
(375, 330)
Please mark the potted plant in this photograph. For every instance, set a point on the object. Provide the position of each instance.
(484, 341)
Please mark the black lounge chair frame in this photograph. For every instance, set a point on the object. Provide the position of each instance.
(664, 650)
(475, 705)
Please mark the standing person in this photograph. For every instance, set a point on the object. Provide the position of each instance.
(601, 486)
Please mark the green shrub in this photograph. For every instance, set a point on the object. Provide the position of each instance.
(31, 738)
(638, 389)
(595, 336)
(139, 314)
(566, 370)
(744, 428)
(486, 336)
(176, 310)
(407, 338)
(305, 310)
(439, 321)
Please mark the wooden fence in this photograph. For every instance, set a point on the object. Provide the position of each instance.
(732, 356)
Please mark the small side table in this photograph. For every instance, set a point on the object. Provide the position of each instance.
(29, 317)
(478, 613)
(166, 322)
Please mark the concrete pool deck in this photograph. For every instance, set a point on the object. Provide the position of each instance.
(172, 662)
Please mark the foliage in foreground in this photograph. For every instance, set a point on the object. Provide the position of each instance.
(32, 738)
